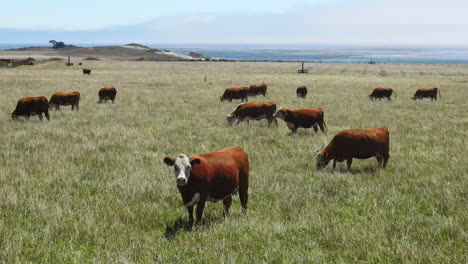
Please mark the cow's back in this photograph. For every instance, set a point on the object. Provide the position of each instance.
(305, 117)
(29, 105)
(224, 170)
(64, 97)
(255, 109)
(361, 143)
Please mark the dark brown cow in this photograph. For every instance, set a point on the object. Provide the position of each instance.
(306, 118)
(253, 111)
(65, 98)
(427, 93)
(235, 93)
(212, 177)
(301, 92)
(258, 89)
(107, 94)
(87, 71)
(358, 144)
(379, 93)
(80, 63)
(28, 106)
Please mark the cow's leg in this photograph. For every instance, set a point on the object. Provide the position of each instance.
(200, 207)
(386, 157)
(190, 214)
(112, 100)
(315, 128)
(40, 116)
(334, 163)
(322, 127)
(349, 162)
(244, 195)
(379, 158)
(227, 204)
(73, 107)
(77, 106)
(271, 120)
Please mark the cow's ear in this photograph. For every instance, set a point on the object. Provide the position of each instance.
(169, 161)
(194, 163)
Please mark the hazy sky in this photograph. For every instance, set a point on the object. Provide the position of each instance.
(430, 22)
(92, 14)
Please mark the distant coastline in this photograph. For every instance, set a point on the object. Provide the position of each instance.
(351, 54)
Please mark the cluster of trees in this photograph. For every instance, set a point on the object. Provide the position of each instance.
(57, 44)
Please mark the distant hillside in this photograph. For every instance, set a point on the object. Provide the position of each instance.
(132, 51)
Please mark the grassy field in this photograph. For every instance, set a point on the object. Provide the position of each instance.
(91, 186)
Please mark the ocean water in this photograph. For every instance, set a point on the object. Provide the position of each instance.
(308, 53)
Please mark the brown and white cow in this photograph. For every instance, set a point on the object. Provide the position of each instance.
(65, 98)
(107, 94)
(357, 144)
(427, 93)
(301, 92)
(87, 71)
(212, 177)
(28, 106)
(258, 89)
(379, 93)
(235, 93)
(306, 118)
(253, 111)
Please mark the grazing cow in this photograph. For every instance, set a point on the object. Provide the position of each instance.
(253, 111)
(301, 92)
(65, 98)
(235, 93)
(28, 106)
(107, 94)
(427, 93)
(87, 71)
(306, 118)
(257, 89)
(212, 177)
(379, 93)
(358, 144)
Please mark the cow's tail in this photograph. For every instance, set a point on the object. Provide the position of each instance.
(438, 91)
(394, 94)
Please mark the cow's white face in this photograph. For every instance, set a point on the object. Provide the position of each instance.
(279, 114)
(322, 161)
(13, 115)
(231, 120)
(182, 166)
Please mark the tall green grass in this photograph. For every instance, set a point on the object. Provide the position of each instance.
(90, 186)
